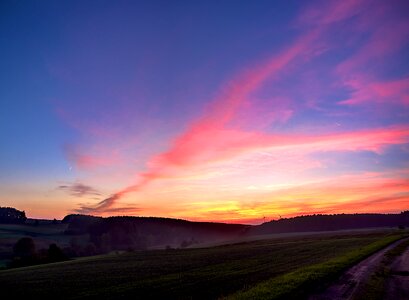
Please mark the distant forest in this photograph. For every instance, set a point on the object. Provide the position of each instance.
(145, 232)
(91, 235)
(332, 222)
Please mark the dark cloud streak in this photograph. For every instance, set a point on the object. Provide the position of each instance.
(79, 190)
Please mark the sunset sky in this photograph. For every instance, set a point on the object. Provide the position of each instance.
(233, 111)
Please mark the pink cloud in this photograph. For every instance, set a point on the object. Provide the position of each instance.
(389, 34)
(371, 139)
(366, 192)
(208, 137)
(396, 91)
(327, 12)
(213, 138)
(387, 38)
(206, 147)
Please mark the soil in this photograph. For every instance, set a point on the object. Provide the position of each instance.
(397, 285)
(350, 282)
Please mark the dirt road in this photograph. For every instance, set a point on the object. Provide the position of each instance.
(350, 282)
(397, 285)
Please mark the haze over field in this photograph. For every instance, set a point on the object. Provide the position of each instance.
(225, 111)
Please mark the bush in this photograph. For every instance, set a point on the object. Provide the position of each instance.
(55, 254)
(25, 248)
(24, 253)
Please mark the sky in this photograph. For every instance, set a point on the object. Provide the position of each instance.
(230, 111)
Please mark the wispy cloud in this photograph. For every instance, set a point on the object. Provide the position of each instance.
(218, 135)
(352, 193)
(79, 190)
(209, 137)
(388, 92)
(327, 12)
(385, 32)
(83, 209)
(91, 160)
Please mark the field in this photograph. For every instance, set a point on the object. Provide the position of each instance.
(272, 268)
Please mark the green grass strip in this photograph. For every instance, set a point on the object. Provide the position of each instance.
(374, 289)
(301, 282)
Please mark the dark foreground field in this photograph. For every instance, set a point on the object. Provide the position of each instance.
(264, 269)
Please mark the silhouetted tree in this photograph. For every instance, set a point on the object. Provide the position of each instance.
(25, 248)
(55, 253)
(9, 215)
(24, 253)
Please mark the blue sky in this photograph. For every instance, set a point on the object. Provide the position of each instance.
(150, 102)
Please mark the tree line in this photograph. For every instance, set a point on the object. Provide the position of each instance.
(10, 215)
(25, 253)
(320, 222)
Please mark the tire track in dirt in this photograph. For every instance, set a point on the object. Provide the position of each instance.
(349, 283)
(397, 285)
